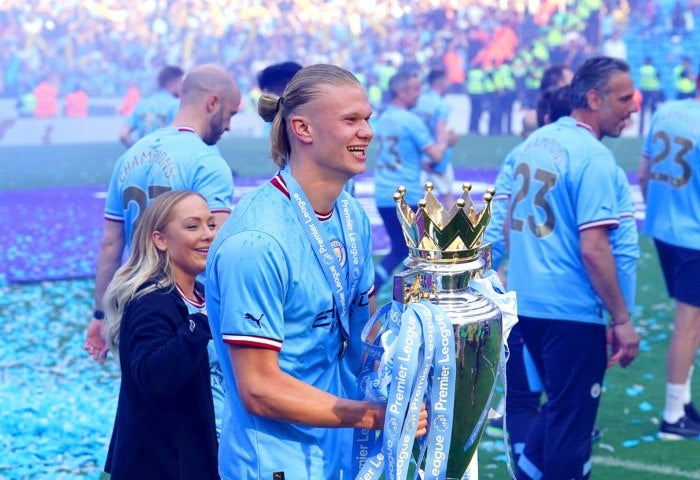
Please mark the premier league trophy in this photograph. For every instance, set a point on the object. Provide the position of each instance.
(445, 255)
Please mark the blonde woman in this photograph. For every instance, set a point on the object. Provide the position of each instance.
(164, 427)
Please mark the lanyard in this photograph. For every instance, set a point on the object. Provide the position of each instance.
(327, 260)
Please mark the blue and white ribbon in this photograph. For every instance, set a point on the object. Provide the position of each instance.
(410, 361)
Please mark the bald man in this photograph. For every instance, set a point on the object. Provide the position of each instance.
(177, 157)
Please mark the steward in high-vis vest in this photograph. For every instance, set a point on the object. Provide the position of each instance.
(475, 89)
(491, 104)
(533, 78)
(683, 79)
(650, 87)
(506, 88)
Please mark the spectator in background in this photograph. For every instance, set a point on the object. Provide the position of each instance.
(26, 103)
(155, 315)
(435, 112)
(650, 88)
(678, 20)
(156, 110)
(76, 103)
(670, 182)
(454, 66)
(533, 81)
(615, 46)
(506, 90)
(46, 95)
(402, 141)
(476, 89)
(684, 79)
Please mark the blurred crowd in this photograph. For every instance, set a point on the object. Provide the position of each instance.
(104, 49)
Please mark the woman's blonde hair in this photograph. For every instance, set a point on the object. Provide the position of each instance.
(303, 88)
(145, 262)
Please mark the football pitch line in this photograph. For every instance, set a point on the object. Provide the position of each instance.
(641, 467)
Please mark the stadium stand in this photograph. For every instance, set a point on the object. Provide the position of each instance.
(108, 48)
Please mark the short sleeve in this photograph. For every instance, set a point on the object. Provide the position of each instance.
(213, 179)
(251, 277)
(595, 192)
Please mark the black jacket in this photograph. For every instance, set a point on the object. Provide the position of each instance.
(164, 428)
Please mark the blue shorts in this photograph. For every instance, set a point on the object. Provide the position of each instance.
(681, 268)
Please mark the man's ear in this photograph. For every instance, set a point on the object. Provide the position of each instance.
(159, 241)
(212, 102)
(300, 128)
(594, 99)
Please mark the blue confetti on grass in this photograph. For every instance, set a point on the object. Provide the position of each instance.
(58, 405)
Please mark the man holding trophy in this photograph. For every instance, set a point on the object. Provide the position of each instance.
(289, 280)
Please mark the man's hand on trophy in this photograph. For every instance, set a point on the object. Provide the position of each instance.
(625, 343)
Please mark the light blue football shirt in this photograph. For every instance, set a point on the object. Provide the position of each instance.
(266, 289)
(564, 181)
(499, 209)
(673, 191)
(167, 159)
(433, 108)
(401, 137)
(153, 112)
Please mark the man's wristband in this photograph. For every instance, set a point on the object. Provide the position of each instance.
(615, 324)
(98, 315)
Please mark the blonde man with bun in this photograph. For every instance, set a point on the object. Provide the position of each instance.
(289, 281)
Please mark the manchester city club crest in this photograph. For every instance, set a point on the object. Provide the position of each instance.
(339, 250)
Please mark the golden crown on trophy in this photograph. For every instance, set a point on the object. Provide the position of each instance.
(440, 234)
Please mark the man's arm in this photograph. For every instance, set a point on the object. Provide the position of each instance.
(600, 266)
(644, 169)
(125, 135)
(108, 262)
(267, 391)
(444, 140)
(372, 305)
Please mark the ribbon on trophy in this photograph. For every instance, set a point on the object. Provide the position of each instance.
(410, 360)
(491, 287)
